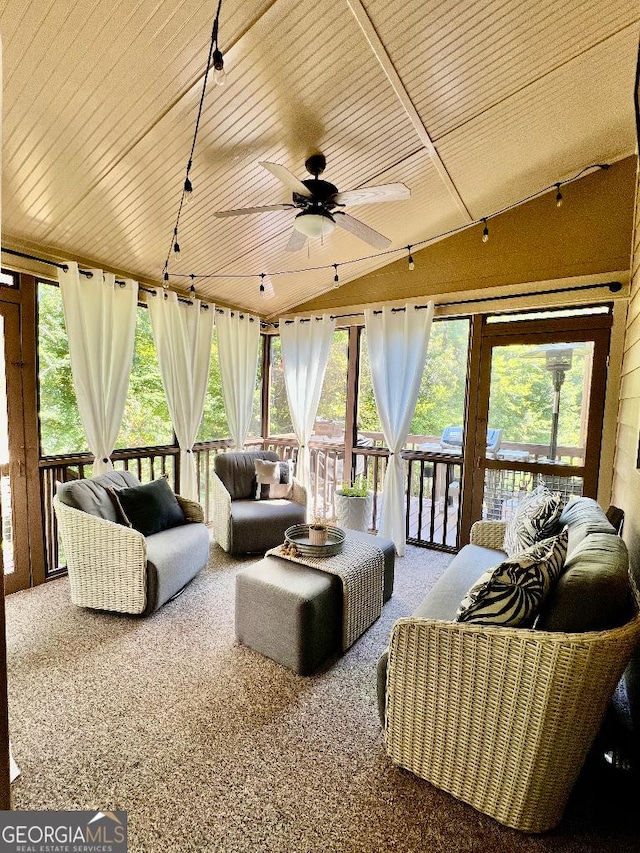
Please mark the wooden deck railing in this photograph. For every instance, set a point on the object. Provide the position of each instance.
(432, 480)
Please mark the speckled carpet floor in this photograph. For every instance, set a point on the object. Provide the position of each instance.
(210, 747)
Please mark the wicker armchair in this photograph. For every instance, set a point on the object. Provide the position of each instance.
(241, 524)
(501, 718)
(113, 567)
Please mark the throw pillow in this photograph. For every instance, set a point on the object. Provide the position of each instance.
(149, 508)
(273, 479)
(511, 593)
(536, 517)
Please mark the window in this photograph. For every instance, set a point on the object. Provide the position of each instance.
(146, 421)
(60, 426)
(214, 419)
(9, 279)
(333, 400)
(441, 399)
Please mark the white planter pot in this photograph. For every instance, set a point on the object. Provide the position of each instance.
(353, 513)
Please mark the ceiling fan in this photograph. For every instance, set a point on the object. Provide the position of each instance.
(319, 204)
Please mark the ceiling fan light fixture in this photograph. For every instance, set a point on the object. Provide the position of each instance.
(314, 223)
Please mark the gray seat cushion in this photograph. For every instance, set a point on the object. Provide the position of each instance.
(92, 495)
(237, 471)
(257, 526)
(174, 557)
(444, 598)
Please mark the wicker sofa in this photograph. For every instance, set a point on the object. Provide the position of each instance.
(503, 718)
(113, 567)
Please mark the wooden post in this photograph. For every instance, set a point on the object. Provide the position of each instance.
(5, 784)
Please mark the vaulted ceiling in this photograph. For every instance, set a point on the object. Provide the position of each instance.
(472, 105)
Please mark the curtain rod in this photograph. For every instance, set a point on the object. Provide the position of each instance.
(614, 287)
(89, 274)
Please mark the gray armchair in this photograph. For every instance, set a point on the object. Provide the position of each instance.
(241, 524)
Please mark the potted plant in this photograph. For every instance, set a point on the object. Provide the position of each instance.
(354, 503)
(318, 532)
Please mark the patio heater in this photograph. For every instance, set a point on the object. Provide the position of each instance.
(558, 360)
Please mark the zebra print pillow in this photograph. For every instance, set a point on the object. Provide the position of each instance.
(511, 593)
(535, 518)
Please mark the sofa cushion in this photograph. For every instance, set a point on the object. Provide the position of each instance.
(581, 510)
(149, 508)
(535, 518)
(92, 495)
(593, 592)
(174, 557)
(273, 479)
(511, 593)
(444, 598)
(257, 526)
(237, 471)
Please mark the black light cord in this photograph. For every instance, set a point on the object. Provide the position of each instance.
(213, 46)
(420, 243)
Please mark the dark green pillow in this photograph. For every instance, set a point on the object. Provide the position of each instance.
(149, 508)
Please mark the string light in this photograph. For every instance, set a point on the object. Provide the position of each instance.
(388, 252)
(558, 196)
(412, 265)
(215, 60)
(192, 289)
(266, 286)
(219, 74)
(188, 186)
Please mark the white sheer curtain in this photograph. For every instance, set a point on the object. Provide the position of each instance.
(182, 331)
(238, 341)
(397, 342)
(100, 316)
(305, 352)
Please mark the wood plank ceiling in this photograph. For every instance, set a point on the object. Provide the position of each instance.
(472, 105)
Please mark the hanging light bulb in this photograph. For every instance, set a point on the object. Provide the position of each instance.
(165, 277)
(176, 245)
(412, 265)
(558, 196)
(336, 278)
(188, 190)
(192, 289)
(266, 286)
(219, 75)
(485, 232)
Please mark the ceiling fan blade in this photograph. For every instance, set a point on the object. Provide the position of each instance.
(287, 179)
(222, 213)
(296, 241)
(359, 229)
(371, 195)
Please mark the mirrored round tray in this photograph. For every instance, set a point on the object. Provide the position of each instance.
(298, 535)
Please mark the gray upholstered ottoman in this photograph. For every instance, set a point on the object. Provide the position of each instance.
(292, 613)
